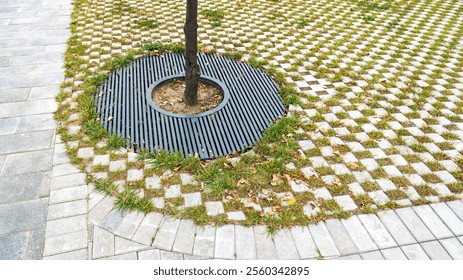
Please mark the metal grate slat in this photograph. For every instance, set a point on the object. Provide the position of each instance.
(251, 103)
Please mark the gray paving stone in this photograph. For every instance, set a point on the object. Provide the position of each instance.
(8, 125)
(101, 160)
(345, 202)
(20, 187)
(453, 247)
(173, 191)
(147, 229)
(244, 243)
(192, 199)
(27, 142)
(359, 234)
(13, 94)
(124, 257)
(435, 251)
(66, 225)
(265, 247)
(67, 209)
(356, 257)
(185, 239)
(341, 237)
(432, 221)
(81, 254)
(103, 243)
(153, 183)
(303, 240)
(448, 217)
(66, 181)
(393, 254)
(149, 255)
(14, 246)
(323, 240)
(43, 92)
(99, 212)
(204, 241)
(23, 216)
(377, 231)
(36, 123)
(113, 220)
(457, 208)
(64, 169)
(375, 255)
(171, 256)
(26, 162)
(129, 225)
(118, 165)
(284, 244)
(68, 194)
(236, 216)
(134, 175)
(123, 246)
(65, 243)
(413, 223)
(165, 236)
(225, 242)
(194, 258)
(415, 252)
(214, 208)
(396, 228)
(188, 179)
(35, 247)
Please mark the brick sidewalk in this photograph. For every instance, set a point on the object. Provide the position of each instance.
(32, 43)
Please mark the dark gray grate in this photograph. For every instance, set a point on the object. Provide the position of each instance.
(124, 107)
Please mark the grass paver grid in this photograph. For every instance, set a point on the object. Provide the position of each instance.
(380, 112)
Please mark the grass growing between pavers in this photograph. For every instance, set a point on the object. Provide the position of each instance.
(372, 87)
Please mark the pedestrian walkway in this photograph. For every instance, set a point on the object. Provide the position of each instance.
(33, 34)
(48, 211)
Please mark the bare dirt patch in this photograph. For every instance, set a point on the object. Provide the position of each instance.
(169, 96)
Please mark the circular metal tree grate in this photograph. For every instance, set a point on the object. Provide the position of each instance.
(250, 104)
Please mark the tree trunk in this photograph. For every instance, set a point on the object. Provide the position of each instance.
(191, 50)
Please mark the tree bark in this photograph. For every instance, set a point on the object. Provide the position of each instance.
(191, 49)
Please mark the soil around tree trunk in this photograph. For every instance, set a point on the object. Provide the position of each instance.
(170, 97)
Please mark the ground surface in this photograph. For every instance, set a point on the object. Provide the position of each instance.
(390, 119)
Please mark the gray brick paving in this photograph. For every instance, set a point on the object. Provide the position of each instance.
(414, 224)
(457, 208)
(284, 244)
(265, 247)
(184, 241)
(453, 247)
(435, 251)
(149, 255)
(341, 237)
(244, 243)
(377, 231)
(323, 240)
(432, 221)
(147, 229)
(123, 246)
(103, 243)
(393, 254)
(27, 126)
(66, 225)
(23, 216)
(65, 243)
(374, 255)
(359, 234)
(204, 241)
(81, 254)
(129, 225)
(415, 252)
(225, 242)
(449, 218)
(306, 247)
(165, 236)
(396, 228)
